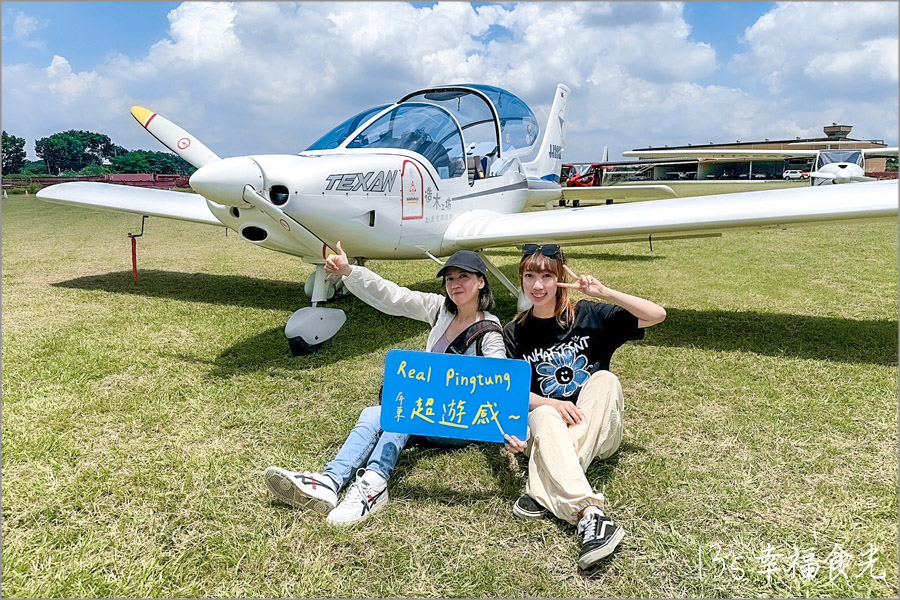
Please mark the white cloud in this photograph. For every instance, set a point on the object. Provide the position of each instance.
(837, 43)
(258, 77)
(23, 25)
(201, 34)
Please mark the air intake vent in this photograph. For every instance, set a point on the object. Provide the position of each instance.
(278, 194)
(254, 234)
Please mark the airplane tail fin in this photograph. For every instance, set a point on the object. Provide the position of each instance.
(548, 163)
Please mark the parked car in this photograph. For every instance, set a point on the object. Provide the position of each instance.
(795, 175)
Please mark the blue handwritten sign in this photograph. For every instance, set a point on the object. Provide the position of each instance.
(454, 396)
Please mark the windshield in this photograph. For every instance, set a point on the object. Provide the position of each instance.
(333, 138)
(421, 128)
(826, 157)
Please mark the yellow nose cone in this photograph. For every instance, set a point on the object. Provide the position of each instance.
(141, 114)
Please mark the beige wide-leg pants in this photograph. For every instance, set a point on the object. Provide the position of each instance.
(559, 454)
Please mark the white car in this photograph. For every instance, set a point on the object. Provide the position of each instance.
(795, 175)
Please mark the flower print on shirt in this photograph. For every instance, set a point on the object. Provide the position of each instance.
(563, 373)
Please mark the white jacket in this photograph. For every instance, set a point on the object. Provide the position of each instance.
(392, 299)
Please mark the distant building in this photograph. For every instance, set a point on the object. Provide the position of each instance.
(836, 137)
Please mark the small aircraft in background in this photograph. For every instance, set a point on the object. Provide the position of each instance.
(830, 165)
(443, 169)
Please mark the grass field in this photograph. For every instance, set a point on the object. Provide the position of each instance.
(761, 417)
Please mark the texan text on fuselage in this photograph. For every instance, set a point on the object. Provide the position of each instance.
(382, 181)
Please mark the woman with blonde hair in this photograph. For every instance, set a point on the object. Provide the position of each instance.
(576, 407)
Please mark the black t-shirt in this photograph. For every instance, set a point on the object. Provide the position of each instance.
(563, 359)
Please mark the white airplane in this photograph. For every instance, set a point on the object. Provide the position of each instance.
(830, 165)
(443, 169)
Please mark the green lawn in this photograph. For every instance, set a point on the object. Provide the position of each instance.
(761, 416)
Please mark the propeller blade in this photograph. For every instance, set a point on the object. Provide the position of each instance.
(174, 137)
(842, 178)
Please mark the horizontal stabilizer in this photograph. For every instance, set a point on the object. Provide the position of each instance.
(123, 198)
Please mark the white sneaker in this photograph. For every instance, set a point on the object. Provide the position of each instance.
(364, 496)
(303, 490)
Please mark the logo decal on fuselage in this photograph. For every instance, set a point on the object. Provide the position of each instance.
(555, 151)
(369, 182)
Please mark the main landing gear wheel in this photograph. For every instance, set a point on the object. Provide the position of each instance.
(300, 348)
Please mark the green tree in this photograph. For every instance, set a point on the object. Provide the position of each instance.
(891, 164)
(93, 171)
(74, 149)
(144, 161)
(13, 153)
(35, 167)
(131, 162)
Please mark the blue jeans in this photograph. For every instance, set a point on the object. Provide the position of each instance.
(367, 444)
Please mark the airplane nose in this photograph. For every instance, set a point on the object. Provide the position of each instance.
(223, 181)
(842, 175)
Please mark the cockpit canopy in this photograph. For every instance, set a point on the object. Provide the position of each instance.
(443, 124)
(486, 114)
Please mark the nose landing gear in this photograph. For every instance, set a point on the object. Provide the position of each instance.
(311, 326)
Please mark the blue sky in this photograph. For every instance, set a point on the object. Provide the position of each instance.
(251, 77)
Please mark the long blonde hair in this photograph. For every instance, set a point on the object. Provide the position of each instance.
(564, 310)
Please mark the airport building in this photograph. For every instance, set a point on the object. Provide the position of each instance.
(739, 168)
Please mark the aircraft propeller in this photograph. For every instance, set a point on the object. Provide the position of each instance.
(238, 182)
(174, 137)
(223, 181)
(841, 173)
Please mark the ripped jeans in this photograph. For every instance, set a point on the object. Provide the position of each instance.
(369, 445)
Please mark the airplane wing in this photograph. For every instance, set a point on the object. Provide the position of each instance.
(125, 198)
(676, 217)
(721, 154)
(890, 152)
(624, 192)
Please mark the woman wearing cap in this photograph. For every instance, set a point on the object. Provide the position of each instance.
(576, 404)
(465, 301)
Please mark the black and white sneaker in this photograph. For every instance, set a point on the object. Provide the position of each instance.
(600, 536)
(527, 507)
(365, 496)
(313, 491)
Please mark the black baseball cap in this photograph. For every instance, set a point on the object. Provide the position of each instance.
(465, 260)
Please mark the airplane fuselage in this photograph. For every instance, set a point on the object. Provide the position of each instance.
(379, 204)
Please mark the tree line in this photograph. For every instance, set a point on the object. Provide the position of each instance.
(75, 152)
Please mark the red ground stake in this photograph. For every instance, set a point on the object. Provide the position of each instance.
(134, 257)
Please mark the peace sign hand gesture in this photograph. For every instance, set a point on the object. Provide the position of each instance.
(586, 284)
(338, 263)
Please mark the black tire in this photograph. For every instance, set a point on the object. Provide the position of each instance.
(300, 348)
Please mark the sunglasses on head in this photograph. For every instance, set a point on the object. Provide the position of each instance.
(548, 250)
